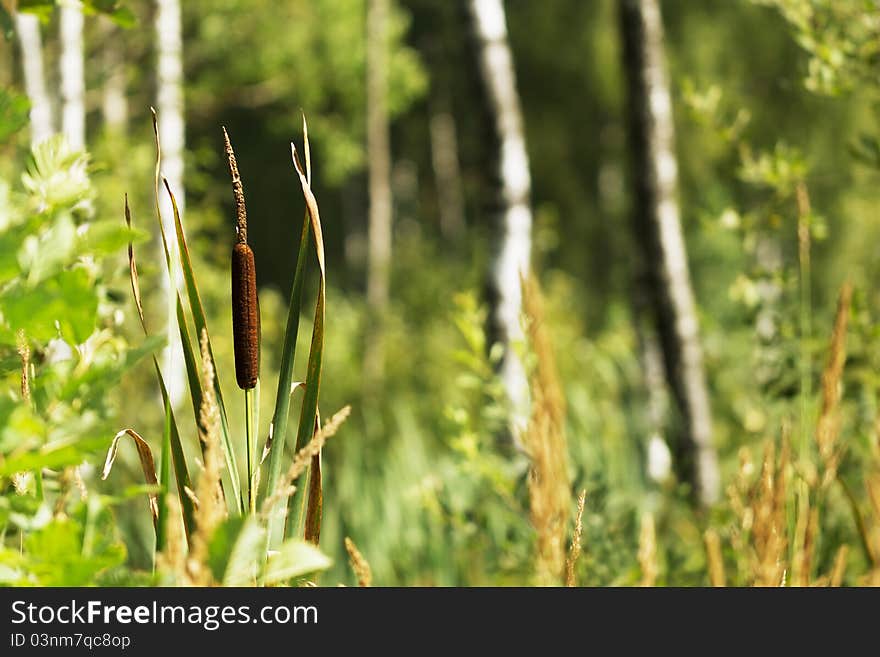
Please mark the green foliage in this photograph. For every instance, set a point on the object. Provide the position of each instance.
(57, 334)
(310, 55)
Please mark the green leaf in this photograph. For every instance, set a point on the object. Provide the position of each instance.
(295, 558)
(57, 555)
(68, 300)
(242, 568)
(102, 238)
(52, 455)
(46, 255)
(13, 107)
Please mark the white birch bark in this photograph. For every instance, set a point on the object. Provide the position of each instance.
(72, 74)
(114, 98)
(27, 26)
(513, 223)
(170, 109)
(379, 182)
(658, 228)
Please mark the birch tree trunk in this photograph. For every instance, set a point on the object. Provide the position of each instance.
(169, 105)
(379, 174)
(658, 229)
(114, 99)
(27, 26)
(447, 173)
(511, 210)
(72, 74)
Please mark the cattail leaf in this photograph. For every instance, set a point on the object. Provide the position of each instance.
(148, 466)
(132, 271)
(198, 314)
(315, 504)
(200, 321)
(309, 410)
(181, 472)
(275, 443)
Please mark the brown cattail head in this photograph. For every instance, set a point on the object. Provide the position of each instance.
(245, 317)
(245, 305)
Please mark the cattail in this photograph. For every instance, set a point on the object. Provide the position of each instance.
(245, 305)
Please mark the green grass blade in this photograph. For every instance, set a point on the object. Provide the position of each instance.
(309, 411)
(164, 479)
(180, 468)
(198, 316)
(278, 431)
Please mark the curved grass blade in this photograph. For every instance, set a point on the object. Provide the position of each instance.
(180, 468)
(199, 319)
(147, 465)
(198, 314)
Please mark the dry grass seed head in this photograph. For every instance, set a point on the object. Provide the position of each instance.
(574, 551)
(359, 564)
(24, 353)
(304, 457)
(769, 538)
(544, 441)
(172, 561)
(828, 427)
(208, 497)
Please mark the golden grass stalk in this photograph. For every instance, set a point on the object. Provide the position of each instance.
(574, 550)
(714, 558)
(768, 518)
(303, 458)
(544, 442)
(210, 506)
(359, 564)
(24, 353)
(839, 568)
(172, 559)
(828, 427)
(648, 550)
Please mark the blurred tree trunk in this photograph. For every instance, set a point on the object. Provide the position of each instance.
(658, 229)
(447, 174)
(114, 99)
(510, 210)
(379, 172)
(169, 106)
(28, 28)
(72, 74)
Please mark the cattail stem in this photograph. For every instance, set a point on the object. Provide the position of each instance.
(251, 407)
